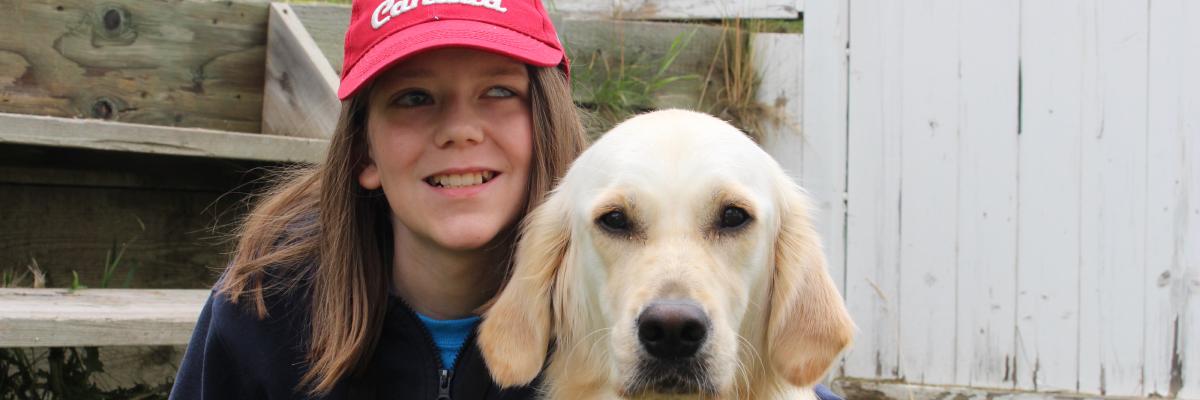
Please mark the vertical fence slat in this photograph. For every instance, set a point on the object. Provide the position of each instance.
(987, 190)
(1190, 89)
(1172, 240)
(1113, 199)
(929, 193)
(873, 208)
(1049, 189)
(824, 154)
(1188, 85)
(778, 58)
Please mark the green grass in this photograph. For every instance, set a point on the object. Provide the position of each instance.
(613, 88)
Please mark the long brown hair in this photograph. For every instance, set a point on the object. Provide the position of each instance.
(319, 231)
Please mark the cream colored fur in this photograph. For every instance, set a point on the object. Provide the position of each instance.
(778, 321)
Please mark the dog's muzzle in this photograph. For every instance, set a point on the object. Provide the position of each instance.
(672, 333)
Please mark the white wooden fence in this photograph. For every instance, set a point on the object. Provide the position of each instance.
(1010, 190)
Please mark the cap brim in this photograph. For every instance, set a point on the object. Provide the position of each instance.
(447, 33)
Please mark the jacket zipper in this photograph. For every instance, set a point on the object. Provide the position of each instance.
(445, 376)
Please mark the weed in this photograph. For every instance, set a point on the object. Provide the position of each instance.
(613, 90)
(66, 372)
(736, 101)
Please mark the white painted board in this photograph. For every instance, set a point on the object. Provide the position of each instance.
(778, 58)
(873, 185)
(1052, 46)
(929, 130)
(1172, 279)
(824, 125)
(1112, 200)
(989, 47)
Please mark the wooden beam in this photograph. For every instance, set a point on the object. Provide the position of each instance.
(300, 96)
(98, 317)
(851, 388)
(678, 9)
(193, 63)
(137, 138)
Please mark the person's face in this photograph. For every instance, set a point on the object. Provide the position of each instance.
(450, 141)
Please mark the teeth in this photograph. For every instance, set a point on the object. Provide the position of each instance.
(461, 180)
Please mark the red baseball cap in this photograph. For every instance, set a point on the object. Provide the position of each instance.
(383, 32)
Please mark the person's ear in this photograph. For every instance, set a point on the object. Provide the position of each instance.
(368, 178)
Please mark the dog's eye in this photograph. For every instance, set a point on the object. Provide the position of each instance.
(615, 221)
(733, 217)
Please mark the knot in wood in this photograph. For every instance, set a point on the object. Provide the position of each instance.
(103, 108)
(113, 23)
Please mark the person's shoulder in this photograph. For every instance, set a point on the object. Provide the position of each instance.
(284, 308)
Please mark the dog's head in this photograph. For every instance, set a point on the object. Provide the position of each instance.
(676, 257)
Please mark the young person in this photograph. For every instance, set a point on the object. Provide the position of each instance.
(363, 277)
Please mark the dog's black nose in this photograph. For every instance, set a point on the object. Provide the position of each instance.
(672, 329)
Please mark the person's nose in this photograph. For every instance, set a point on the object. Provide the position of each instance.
(461, 125)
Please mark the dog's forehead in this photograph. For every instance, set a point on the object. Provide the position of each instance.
(680, 144)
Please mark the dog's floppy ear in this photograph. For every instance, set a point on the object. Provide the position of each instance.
(809, 326)
(515, 332)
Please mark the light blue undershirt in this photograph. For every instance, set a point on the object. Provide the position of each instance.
(449, 335)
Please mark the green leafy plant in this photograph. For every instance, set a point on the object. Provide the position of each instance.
(67, 372)
(614, 89)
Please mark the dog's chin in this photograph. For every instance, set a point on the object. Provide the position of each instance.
(655, 379)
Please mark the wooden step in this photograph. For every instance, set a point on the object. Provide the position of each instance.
(154, 139)
(98, 317)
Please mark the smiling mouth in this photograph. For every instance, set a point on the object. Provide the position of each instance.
(461, 180)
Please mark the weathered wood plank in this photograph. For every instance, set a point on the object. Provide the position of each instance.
(678, 9)
(825, 42)
(300, 96)
(873, 208)
(987, 192)
(1172, 253)
(1112, 201)
(929, 129)
(326, 24)
(596, 49)
(98, 317)
(779, 60)
(149, 139)
(859, 389)
(1048, 268)
(190, 63)
(1189, 90)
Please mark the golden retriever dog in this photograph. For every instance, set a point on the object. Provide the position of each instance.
(675, 259)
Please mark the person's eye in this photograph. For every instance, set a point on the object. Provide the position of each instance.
(413, 98)
(500, 91)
